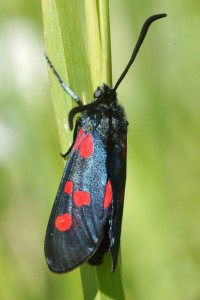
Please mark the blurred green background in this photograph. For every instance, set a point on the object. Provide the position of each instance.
(160, 237)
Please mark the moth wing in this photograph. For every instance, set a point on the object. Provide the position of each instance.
(117, 176)
(77, 220)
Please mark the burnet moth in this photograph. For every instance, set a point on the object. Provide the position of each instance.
(86, 218)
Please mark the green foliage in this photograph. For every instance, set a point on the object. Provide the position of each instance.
(160, 237)
(62, 17)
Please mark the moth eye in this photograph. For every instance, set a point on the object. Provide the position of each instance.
(97, 93)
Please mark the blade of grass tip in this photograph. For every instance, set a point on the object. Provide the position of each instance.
(94, 42)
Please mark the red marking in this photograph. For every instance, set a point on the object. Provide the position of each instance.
(63, 222)
(78, 140)
(68, 187)
(87, 146)
(108, 195)
(81, 198)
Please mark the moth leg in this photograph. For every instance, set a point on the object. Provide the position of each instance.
(64, 155)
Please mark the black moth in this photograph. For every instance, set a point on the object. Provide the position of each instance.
(86, 218)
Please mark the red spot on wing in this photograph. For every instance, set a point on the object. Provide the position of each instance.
(63, 222)
(81, 198)
(78, 139)
(68, 187)
(87, 146)
(108, 195)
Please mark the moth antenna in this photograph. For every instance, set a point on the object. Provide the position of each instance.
(63, 85)
(140, 40)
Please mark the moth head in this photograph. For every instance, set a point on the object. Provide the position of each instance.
(104, 92)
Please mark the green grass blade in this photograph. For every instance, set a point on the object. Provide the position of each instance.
(65, 48)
